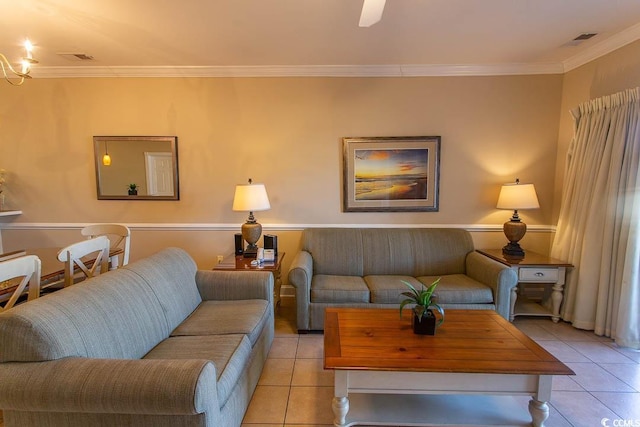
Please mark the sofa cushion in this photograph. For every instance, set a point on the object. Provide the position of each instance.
(459, 289)
(115, 315)
(229, 353)
(440, 251)
(388, 289)
(343, 289)
(335, 251)
(227, 317)
(171, 274)
(389, 251)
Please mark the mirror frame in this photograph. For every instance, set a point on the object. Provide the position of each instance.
(98, 147)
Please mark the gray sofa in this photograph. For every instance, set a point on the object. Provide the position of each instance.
(364, 267)
(155, 343)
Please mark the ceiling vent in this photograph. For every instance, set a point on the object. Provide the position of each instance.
(76, 56)
(584, 36)
(580, 39)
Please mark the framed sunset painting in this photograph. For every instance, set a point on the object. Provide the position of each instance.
(391, 174)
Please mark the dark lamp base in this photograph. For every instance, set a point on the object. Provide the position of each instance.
(250, 252)
(513, 250)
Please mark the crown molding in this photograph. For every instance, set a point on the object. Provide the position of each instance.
(299, 71)
(604, 47)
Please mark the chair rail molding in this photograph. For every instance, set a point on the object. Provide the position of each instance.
(275, 227)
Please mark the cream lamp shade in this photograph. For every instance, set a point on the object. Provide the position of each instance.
(516, 196)
(251, 198)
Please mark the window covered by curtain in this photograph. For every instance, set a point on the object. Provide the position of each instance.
(599, 225)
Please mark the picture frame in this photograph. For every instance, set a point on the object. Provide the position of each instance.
(391, 174)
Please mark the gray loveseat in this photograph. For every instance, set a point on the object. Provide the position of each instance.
(155, 343)
(364, 267)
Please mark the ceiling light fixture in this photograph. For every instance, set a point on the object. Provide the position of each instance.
(13, 76)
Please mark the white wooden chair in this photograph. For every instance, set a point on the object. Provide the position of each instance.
(23, 271)
(96, 259)
(119, 235)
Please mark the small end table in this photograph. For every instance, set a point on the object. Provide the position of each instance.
(538, 269)
(239, 263)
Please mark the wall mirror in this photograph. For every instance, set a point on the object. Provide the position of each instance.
(136, 167)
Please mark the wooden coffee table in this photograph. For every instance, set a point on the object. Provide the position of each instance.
(387, 375)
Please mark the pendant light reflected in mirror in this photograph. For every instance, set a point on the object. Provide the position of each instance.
(106, 159)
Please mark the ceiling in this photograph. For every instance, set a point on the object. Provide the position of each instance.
(313, 37)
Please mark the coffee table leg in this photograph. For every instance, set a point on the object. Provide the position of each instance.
(340, 406)
(539, 412)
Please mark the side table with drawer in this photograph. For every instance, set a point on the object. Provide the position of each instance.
(534, 269)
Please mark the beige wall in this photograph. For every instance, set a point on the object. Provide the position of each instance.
(284, 132)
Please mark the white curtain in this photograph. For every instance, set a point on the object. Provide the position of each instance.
(599, 225)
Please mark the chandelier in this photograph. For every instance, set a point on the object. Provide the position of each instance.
(13, 76)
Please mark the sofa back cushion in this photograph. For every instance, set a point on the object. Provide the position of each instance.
(376, 251)
(121, 314)
(335, 251)
(114, 315)
(171, 274)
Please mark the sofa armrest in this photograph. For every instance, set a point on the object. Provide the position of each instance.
(160, 387)
(234, 285)
(300, 276)
(499, 277)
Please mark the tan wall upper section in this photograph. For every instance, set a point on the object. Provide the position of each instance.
(284, 132)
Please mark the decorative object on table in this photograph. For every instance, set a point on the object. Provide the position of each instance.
(270, 241)
(424, 320)
(15, 77)
(391, 174)
(251, 198)
(516, 196)
(239, 244)
(151, 160)
(269, 255)
(133, 189)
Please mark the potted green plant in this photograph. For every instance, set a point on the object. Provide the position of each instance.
(424, 312)
(133, 189)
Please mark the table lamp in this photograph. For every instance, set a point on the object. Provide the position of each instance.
(516, 196)
(251, 197)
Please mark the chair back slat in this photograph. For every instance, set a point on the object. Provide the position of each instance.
(72, 256)
(120, 236)
(26, 270)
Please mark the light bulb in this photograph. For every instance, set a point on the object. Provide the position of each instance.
(106, 159)
(26, 65)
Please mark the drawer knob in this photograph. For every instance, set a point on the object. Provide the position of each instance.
(538, 274)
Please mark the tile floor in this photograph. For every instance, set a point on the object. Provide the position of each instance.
(295, 391)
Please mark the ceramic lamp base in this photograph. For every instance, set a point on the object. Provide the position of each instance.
(514, 230)
(251, 231)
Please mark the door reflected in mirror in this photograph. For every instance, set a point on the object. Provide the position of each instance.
(136, 167)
